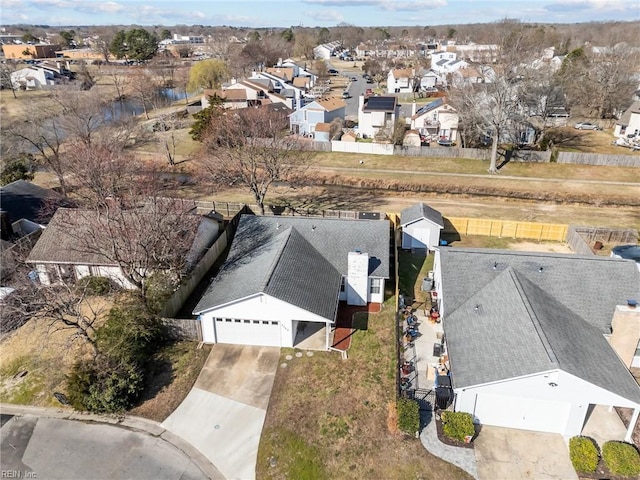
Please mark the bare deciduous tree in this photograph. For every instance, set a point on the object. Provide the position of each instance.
(251, 147)
(495, 108)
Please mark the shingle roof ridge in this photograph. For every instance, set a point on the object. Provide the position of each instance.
(532, 314)
(491, 251)
(284, 238)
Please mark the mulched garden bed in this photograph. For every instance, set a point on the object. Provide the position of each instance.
(602, 472)
(451, 441)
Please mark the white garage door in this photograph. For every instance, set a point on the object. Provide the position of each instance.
(247, 332)
(522, 413)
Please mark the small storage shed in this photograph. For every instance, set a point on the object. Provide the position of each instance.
(421, 227)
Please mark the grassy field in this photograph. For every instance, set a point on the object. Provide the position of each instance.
(335, 419)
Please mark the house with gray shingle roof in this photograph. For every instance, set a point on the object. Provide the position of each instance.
(629, 123)
(421, 227)
(285, 275)
(527, 336)
(68, 249)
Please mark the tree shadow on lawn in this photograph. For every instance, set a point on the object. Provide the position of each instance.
(341, 198)
(159, 374)
(567, 138)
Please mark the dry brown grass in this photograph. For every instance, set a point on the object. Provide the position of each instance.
(569, 139)
(328, 418)
(172, 372)
(47, 353)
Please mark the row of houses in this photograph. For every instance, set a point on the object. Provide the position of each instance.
(527, 346)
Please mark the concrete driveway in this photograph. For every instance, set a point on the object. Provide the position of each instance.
(506, 454)
(223, 414)
(55, 448)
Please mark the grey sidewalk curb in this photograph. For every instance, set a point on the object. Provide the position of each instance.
(140, 424)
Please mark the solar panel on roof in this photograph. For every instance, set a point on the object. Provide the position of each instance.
(381, 103)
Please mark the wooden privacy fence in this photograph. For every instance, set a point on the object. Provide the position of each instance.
(599, 159)
(183, 328)
(578, 243)
(608, 235)
(505, 228)
(175, 302)
(582, 239)
(188, 285)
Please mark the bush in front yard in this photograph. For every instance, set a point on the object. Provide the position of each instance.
(457, 425)
(408, 415)
(584, 454)
(621, 458)
(104, 385)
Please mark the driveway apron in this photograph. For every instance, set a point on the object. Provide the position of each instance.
(222, 416)
(506, 454)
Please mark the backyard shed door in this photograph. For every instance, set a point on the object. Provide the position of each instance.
(247, 332)
(522, 413)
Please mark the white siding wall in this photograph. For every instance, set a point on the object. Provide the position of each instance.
(113, 273)
(421, 234)
(567, 402)
(262, 308)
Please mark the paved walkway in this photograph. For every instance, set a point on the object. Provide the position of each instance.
(464, 458)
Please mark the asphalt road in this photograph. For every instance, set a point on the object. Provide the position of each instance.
(51, 448)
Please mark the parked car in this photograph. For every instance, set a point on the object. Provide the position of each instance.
(587, 126)
(368, 92)
(346, 95)
(354, 79)
(333, 71)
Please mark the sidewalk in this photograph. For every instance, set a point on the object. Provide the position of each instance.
(130, 422)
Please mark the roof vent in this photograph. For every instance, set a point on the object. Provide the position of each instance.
(495, 265)
(553, 384)
(313, 227)
(541, 269)
(278, 226)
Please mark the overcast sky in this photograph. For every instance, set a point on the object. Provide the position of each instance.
(309, 13)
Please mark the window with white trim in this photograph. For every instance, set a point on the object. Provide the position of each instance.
(376, 284)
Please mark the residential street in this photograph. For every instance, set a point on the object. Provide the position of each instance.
(55, 448)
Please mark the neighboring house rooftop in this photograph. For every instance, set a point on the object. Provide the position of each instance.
(22, 199)
(301, 82)
(285, 73)
(402, 73)
(512, 328)
(331, 104)
(420, 211)
(591, 286)
(323, 127)
(429, 107)
(237, 94)
(626, 116)
(68, 238)
(276, 107)
(380, 104)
